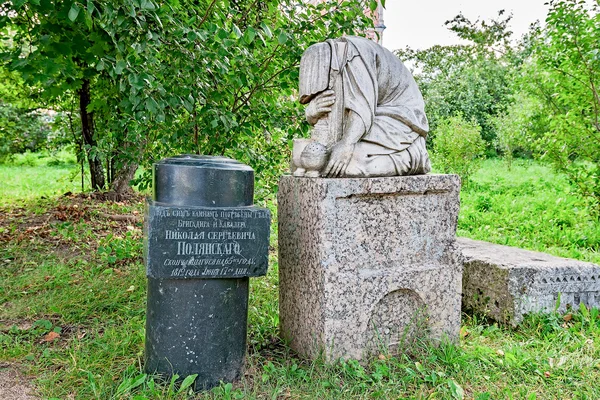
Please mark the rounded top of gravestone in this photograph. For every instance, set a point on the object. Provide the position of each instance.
(205, 181)
(196, 160)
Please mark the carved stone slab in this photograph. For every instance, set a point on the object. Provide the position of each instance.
(366, 263)
(206, 242)
(506, 282)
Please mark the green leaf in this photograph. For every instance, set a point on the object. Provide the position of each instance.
(236, 31)
(282, 38)
(456, 390)
(90, 7)
(172, 383)
(266, 30)
(120, 66)
(74, 12)
(136, 81)
(138, 381)
(188, 106)
(249, 35)
(222, 34)
(147, 5)
(151, 105)
(187, 382)
(18, 3)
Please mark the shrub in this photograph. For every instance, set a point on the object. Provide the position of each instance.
(22, 130)
(517, 128)
(457, 146)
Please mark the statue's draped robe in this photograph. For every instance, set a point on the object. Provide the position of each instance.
(382, 92)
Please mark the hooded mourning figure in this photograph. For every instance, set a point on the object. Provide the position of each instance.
(365, 108)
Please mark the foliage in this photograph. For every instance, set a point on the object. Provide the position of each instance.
(14, 91)
(565, 75)
(154, 79)
(457, 146)
(23, 127)
(472, 79)
(518, 126)
(22, 130)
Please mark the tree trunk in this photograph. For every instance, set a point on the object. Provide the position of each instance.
(124, 162)
(122, 177)
(87, 131)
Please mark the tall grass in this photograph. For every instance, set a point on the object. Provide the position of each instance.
(33, 175)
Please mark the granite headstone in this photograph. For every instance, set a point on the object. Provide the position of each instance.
(204, 239)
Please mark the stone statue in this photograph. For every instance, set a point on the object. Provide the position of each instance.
(366, 111)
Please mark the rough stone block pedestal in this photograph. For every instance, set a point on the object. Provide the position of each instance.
(365, 263)
(505, 283)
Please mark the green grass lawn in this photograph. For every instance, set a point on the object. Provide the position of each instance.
(531, 207)
(72, 306)
(27, 182)
(33, 175)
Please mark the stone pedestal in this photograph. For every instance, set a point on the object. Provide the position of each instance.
(366, 264)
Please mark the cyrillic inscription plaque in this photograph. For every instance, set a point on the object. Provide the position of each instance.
(206, 242)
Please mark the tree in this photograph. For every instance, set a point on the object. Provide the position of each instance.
(473, 80)
(22, 127)
(52, 51)
(516, 128)
(181, 76)
(565, 74)
(458, 146)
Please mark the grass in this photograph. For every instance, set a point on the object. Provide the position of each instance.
(31, 175)
(72, 308)
(528, 206)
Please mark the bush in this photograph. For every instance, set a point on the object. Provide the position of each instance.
(457, 146)
(517, 128)
(22, 130)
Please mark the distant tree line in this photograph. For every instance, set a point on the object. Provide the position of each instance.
(538, 97)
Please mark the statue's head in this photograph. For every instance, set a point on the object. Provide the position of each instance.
(314, 71)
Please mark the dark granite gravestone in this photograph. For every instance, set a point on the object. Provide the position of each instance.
(204, 239)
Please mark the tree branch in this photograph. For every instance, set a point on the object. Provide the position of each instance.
(262, 85)
(207, 13)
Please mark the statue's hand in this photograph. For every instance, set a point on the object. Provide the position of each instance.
(341, 154)
(319, 106)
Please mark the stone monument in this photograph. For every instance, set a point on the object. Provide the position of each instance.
(204, 239)
(366, 260)
(506, 283)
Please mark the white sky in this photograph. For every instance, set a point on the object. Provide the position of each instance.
(420, 23)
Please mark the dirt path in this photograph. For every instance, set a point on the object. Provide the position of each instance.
(13, 385)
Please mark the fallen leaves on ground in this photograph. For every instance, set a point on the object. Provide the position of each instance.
(50, 337)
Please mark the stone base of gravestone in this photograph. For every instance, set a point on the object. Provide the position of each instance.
(367, 264)
(505, 283)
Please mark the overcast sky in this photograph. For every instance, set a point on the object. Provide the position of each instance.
(420, 23)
